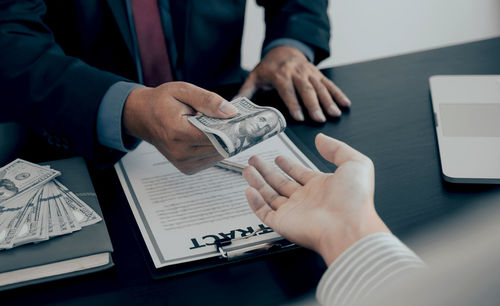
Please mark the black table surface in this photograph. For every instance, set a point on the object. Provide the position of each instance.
(390, 121)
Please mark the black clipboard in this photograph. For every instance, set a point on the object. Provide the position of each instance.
(227, 254)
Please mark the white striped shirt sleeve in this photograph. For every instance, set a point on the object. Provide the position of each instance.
(372, 261)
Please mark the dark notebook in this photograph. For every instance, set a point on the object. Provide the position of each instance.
(85, 251)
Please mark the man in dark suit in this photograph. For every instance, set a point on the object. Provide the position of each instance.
(72, 70)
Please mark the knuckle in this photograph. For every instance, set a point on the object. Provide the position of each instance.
(290, 65)
(184, 168)
(329, 105)
(282, 184)
(333, 86)
(289, 92)
(265, 215)
(300, 79)
(167, 85)
(312, 68)
(189, 171)
(167, 146)
(210, 99)
(315, 80)
(285, 68)
(179, 84)
(300, 177)
(179, 88)
(306, 87)
(273, 197)
(293, 108)
(177, 155)
(303, 85)
(172, 135)
(279, 80)
(324, 91)
(324, 96)
(261, 70)
(302, 68)
(327, 81)
(276, 79)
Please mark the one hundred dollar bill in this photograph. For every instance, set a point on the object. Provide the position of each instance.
(252, 125)
(20, 176)
(44, 231)
(80, 211)
(61, 219)
(30, 228)
(10, 228)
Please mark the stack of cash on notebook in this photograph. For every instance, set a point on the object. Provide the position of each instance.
(34, 206)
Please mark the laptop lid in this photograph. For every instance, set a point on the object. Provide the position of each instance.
(467, 117)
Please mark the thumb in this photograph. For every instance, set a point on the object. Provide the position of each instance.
(248, 88)
(336, 151)
(204, 101)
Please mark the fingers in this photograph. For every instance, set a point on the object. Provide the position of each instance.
(200, 153)
(289, 71)
(202, 100)
(286, 90)
(337, 151)
(185, 146)
(326, 99)
(184, 151)
(337, 94)
(193, 163)
(315, 90)
(249, 88)
(255, 180)
(189, 134)
(179, 129)
(295, 170)
(308, 94)
(260, 207)
(273, 177)
(196, 165)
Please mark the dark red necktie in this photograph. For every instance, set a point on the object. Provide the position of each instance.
(156, 68)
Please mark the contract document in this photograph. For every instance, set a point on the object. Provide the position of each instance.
(181, 217)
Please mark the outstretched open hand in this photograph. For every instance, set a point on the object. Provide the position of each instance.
(326, 212)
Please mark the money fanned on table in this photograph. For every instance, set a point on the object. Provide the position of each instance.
(252, 125)
(34, 206)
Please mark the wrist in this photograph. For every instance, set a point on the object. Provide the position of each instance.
(337, 240)
(284, 52)
(304, 48)
(133, 112)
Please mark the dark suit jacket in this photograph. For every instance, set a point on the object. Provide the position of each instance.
(59, 57)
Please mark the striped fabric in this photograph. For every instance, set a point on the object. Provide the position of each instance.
(372, 261)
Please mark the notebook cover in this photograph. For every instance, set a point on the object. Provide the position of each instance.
(93, 239)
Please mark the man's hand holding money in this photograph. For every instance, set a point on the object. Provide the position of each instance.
(252, 125)
(159, 116)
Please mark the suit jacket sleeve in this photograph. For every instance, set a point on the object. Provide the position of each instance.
(303, 20)
(53, 93)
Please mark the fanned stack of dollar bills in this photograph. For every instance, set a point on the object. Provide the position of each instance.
(36, 207)
(252, 125)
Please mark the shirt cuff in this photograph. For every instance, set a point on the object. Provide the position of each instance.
(376, 259)
(109, 118)
(289, 42)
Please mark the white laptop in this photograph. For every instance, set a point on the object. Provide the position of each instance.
(467, 117)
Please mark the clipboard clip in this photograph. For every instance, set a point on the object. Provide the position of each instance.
(223, 246)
